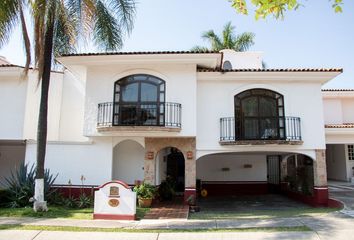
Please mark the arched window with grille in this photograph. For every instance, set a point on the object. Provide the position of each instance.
(139, 101)
(259, 114)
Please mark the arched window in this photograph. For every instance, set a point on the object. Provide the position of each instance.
(259, 114)
(139, 101)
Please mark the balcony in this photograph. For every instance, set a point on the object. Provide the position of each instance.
(139, 116)
(280, 130)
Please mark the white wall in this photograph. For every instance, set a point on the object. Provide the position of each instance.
(338, 107)
(180, 88)
(336, 162)
(332, 109)
(128, 162)
(215, 99)
(161, 165)
(348, 110)
(54, 106)
(12, 105)
(209, 167)
(72, 109)
(243, 60)
(73, 159)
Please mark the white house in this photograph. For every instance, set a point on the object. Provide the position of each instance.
(215, 117)
(339, 129)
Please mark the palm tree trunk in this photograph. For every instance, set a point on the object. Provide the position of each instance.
(40, 204)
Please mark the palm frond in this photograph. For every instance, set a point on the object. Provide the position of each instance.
(9, 18)
(65, 33)
(213, 39)
(124, 11)
(228, 36)
(26, 41)
(199, 49)
(107, 32)
(244, 41)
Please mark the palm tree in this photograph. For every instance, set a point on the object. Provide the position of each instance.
(58, 25)
(228, 40)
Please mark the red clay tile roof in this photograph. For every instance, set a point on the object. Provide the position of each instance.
(272, 70)
(338, 90)
(344, 125)
(9, 65)
(138, 53)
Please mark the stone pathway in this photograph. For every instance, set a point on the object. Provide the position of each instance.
(168, 210)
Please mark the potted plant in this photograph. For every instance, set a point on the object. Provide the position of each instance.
(145, 193)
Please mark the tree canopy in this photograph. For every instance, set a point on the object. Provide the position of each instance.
(275, 8)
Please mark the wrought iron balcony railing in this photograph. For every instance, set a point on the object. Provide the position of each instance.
(277, 128)
(139, 114)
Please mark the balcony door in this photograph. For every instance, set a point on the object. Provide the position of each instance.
(259, 115)
(139, 101)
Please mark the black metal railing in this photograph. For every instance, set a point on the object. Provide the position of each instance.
(139, 114)
(292, 130)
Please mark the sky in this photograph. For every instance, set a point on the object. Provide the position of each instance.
(313, 36)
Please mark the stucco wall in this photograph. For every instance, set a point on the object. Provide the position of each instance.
(128, 162)
(209, 168)
(73, 159)
(54, 106)
(72, 109)
(180, 88)
(12, 105)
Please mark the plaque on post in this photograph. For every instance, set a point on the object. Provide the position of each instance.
(115, 200)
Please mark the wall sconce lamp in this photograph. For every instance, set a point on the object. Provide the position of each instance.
(150, 155)
(189, 155)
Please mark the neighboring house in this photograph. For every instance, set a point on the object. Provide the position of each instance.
(339, 128)
(217, 117)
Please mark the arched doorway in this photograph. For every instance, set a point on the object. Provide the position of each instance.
(170, 165)
(128, 162)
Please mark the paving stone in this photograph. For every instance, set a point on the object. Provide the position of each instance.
(18, 235)
(283, 222)
(47, 235)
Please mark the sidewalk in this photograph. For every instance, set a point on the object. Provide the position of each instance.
(46, 235)
(156, 224)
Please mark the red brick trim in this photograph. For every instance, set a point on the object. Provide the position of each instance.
(116, 181)
(113, 216)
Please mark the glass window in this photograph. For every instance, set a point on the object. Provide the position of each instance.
(148, 92)
(351, 152)
(138, 99)
(130, 92)
(259, 114)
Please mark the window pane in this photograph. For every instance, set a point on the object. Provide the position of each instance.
(148, 92)
(251, 129)
(269, 128)
(268, 107)
(250, 107)
(128, 115)
(162, 87)
(130, 92)
(148, 114)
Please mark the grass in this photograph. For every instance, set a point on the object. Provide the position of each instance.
(84, 229)
(263, 214)
(59, 212)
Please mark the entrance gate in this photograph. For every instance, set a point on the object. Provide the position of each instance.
(273, 173)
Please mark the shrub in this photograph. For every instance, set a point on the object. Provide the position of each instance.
(20, 185)
(145, 190)
(166, 189)
(84, 201)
